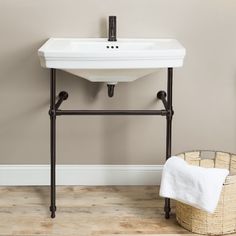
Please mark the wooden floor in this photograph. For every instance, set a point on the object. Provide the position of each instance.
(85, 211)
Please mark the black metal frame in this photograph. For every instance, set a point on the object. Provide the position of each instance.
(55, 111)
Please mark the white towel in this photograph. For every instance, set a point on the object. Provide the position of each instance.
(196, 186)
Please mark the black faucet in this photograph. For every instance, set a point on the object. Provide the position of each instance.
(112, 28)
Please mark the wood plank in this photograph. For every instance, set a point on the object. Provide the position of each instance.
(131, 210)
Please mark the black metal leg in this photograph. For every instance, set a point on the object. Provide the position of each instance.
(169, 116)
(52, 114)
(54, 111)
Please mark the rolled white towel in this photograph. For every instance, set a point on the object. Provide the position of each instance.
(194, 185)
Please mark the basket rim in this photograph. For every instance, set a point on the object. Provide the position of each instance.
(204, 150)
(231, 178)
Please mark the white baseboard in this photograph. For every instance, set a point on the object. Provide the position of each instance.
(23, 175)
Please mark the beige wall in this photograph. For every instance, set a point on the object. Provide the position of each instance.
(204, 89)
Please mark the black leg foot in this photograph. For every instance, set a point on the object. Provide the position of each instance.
(167, 215)
(53, 215)
(53, 211)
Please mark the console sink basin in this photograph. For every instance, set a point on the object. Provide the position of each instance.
(98, 60)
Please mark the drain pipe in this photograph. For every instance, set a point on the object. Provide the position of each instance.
(111, 88)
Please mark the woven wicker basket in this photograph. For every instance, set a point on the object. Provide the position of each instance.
(223, 220)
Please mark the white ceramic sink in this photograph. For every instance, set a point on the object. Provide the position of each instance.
(98, 60)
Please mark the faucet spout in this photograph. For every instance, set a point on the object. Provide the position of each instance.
(112, 28)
